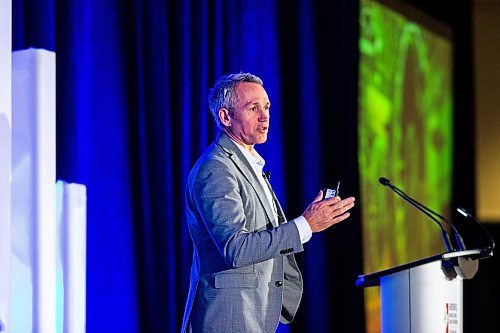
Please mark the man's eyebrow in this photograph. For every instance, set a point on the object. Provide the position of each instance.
(256, 103)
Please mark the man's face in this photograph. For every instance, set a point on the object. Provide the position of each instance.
(249, 123)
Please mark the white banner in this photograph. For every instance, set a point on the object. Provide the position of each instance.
(33, 231)
(71, 263)
(5, 161)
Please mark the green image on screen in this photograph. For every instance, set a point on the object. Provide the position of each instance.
(404, 134)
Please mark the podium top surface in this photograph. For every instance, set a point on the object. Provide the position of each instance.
(373, 279)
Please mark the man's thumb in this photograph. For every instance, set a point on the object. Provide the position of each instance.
(319, 197)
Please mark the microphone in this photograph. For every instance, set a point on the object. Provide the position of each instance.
(465, 213)
(384, 181)
(427, 211)
(267, 174)
(458, 236)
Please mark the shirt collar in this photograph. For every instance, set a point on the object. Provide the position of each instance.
(257, 162)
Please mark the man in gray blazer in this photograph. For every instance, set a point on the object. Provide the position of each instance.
(244, 277)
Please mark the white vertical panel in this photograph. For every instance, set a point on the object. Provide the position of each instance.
(5, 161)
(421, 300)
(72, 231)
(395, 300)
(433, 299)
(33, 192)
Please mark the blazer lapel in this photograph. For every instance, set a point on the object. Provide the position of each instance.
(247, 171)
(280, 212)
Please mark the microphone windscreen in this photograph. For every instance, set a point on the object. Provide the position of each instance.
(384, 181)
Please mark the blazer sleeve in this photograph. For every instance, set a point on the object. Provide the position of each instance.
(216, 194)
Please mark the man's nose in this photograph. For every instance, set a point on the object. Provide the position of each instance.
(264, 115)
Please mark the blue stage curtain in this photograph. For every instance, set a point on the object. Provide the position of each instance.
(132, 118)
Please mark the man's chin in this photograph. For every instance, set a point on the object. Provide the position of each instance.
(262, 139)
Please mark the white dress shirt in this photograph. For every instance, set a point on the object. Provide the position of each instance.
(257, 163)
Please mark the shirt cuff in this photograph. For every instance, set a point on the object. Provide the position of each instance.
(304, 229)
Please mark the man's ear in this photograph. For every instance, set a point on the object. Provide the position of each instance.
(224, 117)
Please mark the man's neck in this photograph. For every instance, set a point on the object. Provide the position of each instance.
(249, 148)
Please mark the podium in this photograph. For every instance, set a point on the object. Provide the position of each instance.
(426, 295)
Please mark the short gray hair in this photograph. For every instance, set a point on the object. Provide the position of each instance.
(223, 94)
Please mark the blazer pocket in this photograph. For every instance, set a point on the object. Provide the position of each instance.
(236, 280)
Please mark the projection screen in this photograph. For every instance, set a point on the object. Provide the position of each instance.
(404, 134)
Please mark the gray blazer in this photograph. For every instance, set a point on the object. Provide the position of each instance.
(244, 277)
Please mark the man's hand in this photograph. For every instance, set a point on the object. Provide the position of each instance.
(321, 214)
